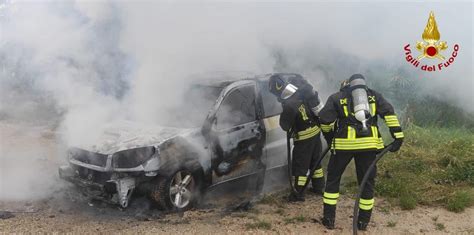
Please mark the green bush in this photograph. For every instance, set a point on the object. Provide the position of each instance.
(407, 201)
(464, 172)
(429, 111)
(459, 201)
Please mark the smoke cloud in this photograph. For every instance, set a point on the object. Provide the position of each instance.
(74, 66)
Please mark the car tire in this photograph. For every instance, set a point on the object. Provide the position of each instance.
(179, 191)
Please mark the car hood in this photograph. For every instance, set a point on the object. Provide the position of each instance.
(124, 135)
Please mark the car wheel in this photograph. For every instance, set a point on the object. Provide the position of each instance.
(179, 191)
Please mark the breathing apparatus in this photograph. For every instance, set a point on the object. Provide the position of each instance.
(358, 89)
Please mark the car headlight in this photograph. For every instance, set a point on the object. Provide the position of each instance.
(132, 157)
(87, 157)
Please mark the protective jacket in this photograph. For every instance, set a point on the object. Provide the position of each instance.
(303, 125)
(338, 121)
(298, 119)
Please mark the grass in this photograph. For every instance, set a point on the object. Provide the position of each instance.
(280, 211)
(385, 209)
(254, 210)
(272, 199)
(244, 215)
(259, 224)
(440, 226)
(431, 162)
(391, 224)
(407, 202)
(296, 219)
(459, 201)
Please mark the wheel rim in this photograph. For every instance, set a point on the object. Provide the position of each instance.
(181, 189)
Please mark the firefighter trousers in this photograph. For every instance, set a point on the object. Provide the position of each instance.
(337, 165)
(305, 155)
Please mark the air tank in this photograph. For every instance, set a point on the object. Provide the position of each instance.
(360, 100)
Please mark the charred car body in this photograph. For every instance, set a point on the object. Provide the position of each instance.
(238, 138)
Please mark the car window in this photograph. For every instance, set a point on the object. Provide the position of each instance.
(271, 106)
(238, 107)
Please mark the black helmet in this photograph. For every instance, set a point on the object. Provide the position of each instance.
(280, 87)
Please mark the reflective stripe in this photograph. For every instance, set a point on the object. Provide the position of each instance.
(330, 198)
(360, 147)
(327, 128)
(354, 143)
(391, 121)
(351, 132)
(373, 109)
(331, 195)
(398, 135)
(345, 110)
(318, 173)
(358, 143)
(375, 133)
(366, 204)
(330, 201)
(309, 130)
(308, 133)
(302, 110)
(393, 124)
(359, 140)
(301, 180)
(367, 201)
(390, 117)
(364, 207)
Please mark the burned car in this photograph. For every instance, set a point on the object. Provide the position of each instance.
(236, 139)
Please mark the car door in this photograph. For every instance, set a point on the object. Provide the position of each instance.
(237, 135)
(275, 150)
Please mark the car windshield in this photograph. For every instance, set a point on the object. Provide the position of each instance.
(194, 106)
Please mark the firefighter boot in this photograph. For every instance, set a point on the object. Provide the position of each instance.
(363, 219)
(317, 185)
(328, 223)
(329, 216)
(298, 196)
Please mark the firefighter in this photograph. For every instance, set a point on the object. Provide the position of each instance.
(299, 117)
(349, 125)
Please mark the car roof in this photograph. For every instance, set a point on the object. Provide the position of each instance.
(222, 80)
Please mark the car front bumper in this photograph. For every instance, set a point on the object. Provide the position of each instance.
(116, 191)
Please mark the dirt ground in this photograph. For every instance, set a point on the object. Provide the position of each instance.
(61, 209)
(298, 218)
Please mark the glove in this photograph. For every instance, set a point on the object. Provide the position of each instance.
(396, 145)
(329, 136)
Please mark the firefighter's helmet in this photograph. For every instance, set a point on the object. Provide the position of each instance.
(344, 84)
(280, 87)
